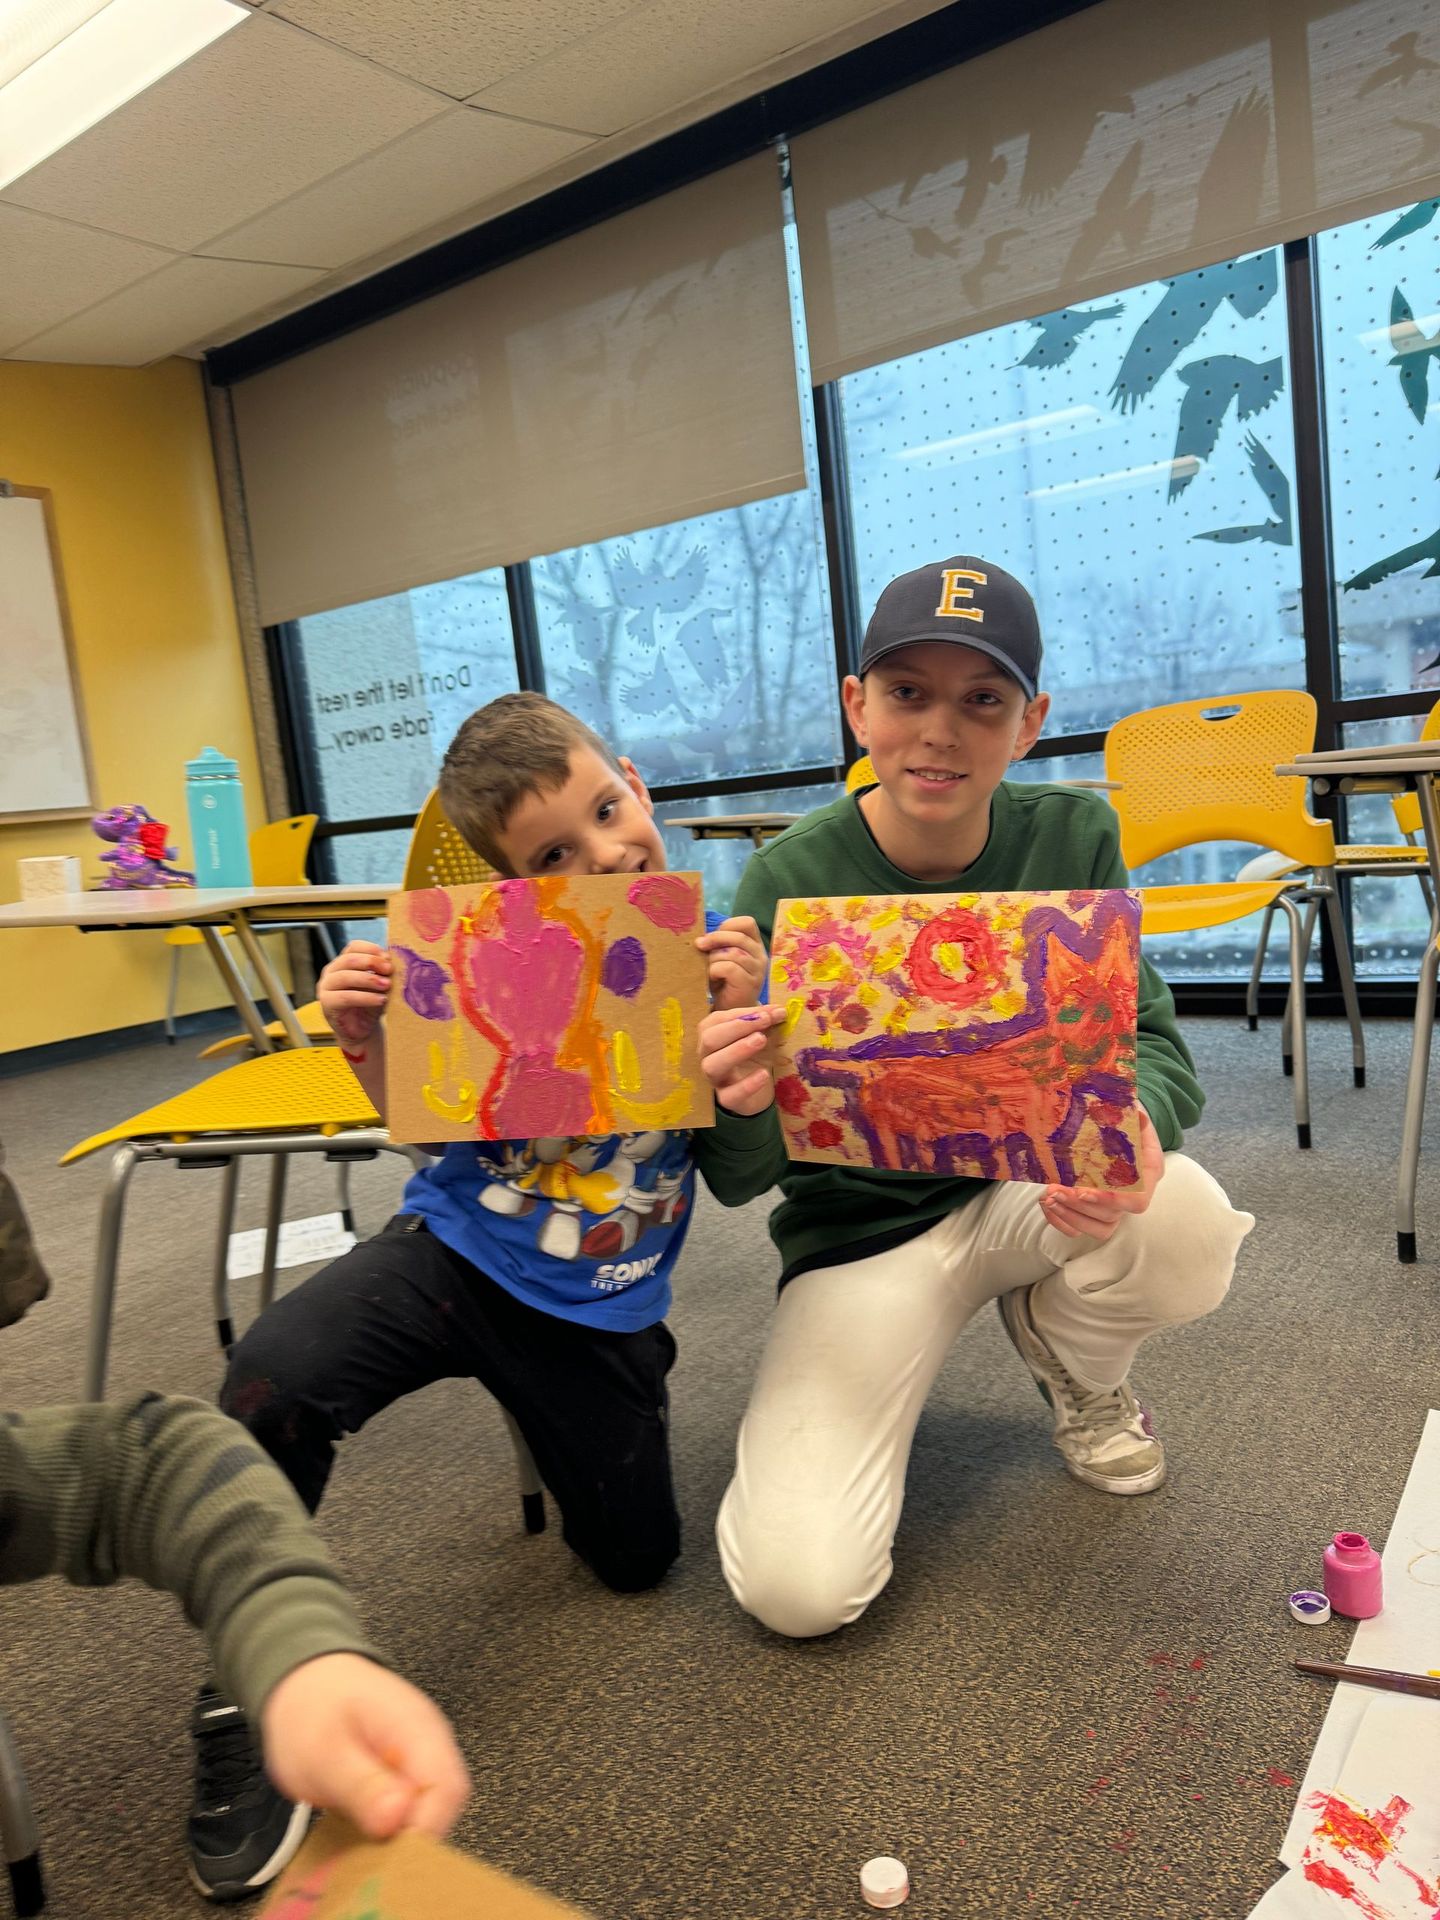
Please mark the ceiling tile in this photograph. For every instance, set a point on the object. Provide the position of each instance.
(50, 269)
(666, 53)
(257, 116)
(165, 312)
(423, 178)
(461, 45)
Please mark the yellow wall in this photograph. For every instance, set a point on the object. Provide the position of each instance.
(126, 455)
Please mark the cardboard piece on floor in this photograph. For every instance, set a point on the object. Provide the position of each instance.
(339, 1875)
(547, 1009)
(1405, 1635)
(988, 1034)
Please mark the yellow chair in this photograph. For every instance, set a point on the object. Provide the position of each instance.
(1204, 770)
(1400, 860)
(278, 853)
(296, 1100)
(862, 774)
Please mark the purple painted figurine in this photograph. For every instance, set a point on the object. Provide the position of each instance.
(137, 854)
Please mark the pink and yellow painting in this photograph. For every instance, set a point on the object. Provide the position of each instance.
(982, 1034)
(524, 1009)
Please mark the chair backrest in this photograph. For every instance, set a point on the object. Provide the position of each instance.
(1407, 807)
(1205, 770)
(437, 856)
(862, 774)
(278, 852)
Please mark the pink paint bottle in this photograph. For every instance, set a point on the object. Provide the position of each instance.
(1352, 1576)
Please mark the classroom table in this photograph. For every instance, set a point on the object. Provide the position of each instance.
(760, 827)
(1392, 770)
(755, 827)
(209, 909)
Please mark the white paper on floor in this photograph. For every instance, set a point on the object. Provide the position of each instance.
(322, 1237)
(1405, 1635)
(1371, 1844)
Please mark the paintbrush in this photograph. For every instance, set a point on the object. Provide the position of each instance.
(1425, 1685)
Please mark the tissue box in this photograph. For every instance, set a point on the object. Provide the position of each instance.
(59, 873)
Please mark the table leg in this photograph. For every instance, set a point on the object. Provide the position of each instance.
(1410, 1138)
(244, 1001)
(265, 972)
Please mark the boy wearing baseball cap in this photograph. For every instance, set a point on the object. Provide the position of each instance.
(883, 1269)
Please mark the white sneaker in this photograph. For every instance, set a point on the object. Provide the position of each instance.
(1103, 1433)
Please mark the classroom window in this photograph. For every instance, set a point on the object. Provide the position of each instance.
(382, 686)
(1379, 314)
(1131, 460)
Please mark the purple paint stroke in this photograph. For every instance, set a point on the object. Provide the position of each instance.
(827, 1067)
(623, 971)
(427, 986)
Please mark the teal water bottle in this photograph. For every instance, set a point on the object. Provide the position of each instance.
(216, 802)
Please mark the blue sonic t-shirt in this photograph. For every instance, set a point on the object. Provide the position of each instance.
(588, 1229)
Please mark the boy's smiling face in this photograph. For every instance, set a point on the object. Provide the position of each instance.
(600, 821)
(942, 724)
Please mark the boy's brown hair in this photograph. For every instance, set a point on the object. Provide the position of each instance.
(516, 746)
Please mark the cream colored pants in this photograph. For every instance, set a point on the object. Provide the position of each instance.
(806, 1525)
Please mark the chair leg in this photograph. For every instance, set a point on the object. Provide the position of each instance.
(274, 1213)
(17, 1831)
(1287, 1045)
(532, 1493)
(1300, 927)
(220, 1278)
(107, 1261)
(1252, 992)
(342, 1184)
(1346, 965)
(1410, 1137)
(172, 994)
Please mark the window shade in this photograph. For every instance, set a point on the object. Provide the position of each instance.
(637, 373)
(1129, 142)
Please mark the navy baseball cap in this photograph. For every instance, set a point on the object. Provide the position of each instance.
(967, 600)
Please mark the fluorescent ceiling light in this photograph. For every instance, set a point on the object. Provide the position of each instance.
(29, 28)
(69, 63)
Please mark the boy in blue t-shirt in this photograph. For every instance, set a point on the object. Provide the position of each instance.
(540, 1268)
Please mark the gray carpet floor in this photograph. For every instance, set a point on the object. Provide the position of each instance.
(1064, 1704)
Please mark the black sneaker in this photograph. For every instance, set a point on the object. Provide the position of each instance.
(241, 1832)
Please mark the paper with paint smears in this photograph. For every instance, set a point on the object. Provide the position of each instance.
(1370, 1846)
(981, 1034)
(339, 1875)
(525, 1009)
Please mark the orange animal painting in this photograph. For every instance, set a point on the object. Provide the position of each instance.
(983, 1034)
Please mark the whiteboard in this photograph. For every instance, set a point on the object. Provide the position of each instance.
(44, 763)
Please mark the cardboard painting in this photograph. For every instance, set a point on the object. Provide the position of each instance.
(339, 1875)
(527, 1009)
(982, 1034)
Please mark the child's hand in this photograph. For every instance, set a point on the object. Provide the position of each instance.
(353, 990)
(1097, 1211)
(345, 1734)
(733, 1048)
(738, 963)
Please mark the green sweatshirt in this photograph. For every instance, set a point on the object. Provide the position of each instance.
(1041, 837)
(170, 1491)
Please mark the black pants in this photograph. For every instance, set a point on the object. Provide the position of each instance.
(401, 1310)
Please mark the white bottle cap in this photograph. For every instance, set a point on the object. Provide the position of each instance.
(884, 1882)
(1310, 1607)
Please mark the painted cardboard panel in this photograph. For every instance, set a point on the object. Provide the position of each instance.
(522, 1009)
(338, 1875)
(988, 1034)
